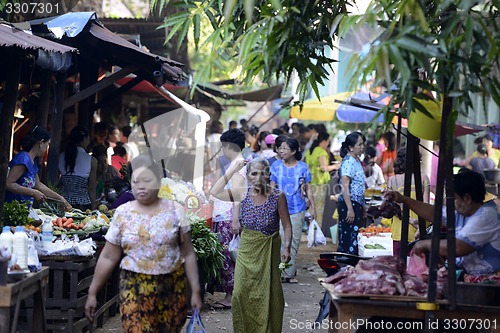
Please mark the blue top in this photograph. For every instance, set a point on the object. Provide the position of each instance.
(264, 218)
(352, 168)
(481, 231)
(26, 180)
(288, 181)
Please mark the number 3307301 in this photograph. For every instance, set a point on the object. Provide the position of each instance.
(31, 8)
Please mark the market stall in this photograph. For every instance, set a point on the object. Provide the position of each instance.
(410, 312)
(22, 288)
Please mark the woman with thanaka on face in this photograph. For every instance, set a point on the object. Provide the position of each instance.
(23, 183)
(152, 235)
(351, 202)
(291, 176)
(258, 301)
(277, 144)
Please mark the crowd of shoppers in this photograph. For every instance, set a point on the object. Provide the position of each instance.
(264, 182)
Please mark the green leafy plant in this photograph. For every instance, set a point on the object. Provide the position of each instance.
(446, 47)
(269, 39)
(16, 213)
(209, 251)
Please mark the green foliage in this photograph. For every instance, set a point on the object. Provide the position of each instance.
(268, 38)
(209, 251)
(447, 47)
(15, 213)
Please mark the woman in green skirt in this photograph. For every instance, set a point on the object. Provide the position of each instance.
(258, 301)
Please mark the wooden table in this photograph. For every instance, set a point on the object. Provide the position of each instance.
(347, 310)
(13, 293)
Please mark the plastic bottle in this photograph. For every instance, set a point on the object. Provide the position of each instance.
(20, 247)
(6, 239)
(47, 233)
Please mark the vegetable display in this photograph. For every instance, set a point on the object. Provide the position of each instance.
(15, 213)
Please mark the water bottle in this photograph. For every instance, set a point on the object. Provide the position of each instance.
(6, 239)
(47, 233)
(20, 247)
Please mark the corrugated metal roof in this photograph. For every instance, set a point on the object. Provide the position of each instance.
(14, 37)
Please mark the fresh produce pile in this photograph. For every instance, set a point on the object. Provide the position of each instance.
(16, 213)
(373, 230)
(78, 222)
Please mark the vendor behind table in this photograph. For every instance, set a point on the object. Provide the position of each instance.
(23, 183)
(477, 228)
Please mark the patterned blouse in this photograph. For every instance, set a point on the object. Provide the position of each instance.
(150, 242)
(352, 168)
(264, 218)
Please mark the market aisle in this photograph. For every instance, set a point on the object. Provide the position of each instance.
(302, 298)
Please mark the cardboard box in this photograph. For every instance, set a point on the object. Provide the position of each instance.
(370, 253)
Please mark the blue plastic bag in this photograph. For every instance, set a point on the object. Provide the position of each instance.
(195, 321)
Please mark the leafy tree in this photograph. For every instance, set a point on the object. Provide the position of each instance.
(447, 47)
(269, 38)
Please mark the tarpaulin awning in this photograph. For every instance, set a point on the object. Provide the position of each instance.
(361, 107)
(351, 107)
(261, 95)
(316, 110)
(85, 30)
(11, 36)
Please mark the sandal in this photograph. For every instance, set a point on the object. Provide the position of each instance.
(220, 306)
(289, 280)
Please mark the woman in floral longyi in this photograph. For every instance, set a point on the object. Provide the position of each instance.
(153, 234)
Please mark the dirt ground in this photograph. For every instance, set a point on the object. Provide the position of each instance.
(301, 299)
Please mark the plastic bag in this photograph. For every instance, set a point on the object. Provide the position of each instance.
(195, 321)
(314, 235)
(417, 266)
(234, 246)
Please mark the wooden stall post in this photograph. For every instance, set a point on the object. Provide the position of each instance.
(56, 129)
(409, 170)
(88, 77)
(7, 117)
(44, 103)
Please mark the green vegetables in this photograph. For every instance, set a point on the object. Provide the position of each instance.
(51, 208)
(374, 247)
(16, 213)
(209, 251)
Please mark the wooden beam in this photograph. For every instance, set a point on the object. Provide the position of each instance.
(108, 98)
(13, 74)
(99, 86)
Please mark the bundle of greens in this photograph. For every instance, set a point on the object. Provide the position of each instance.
(15, 213)
(209, 251)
